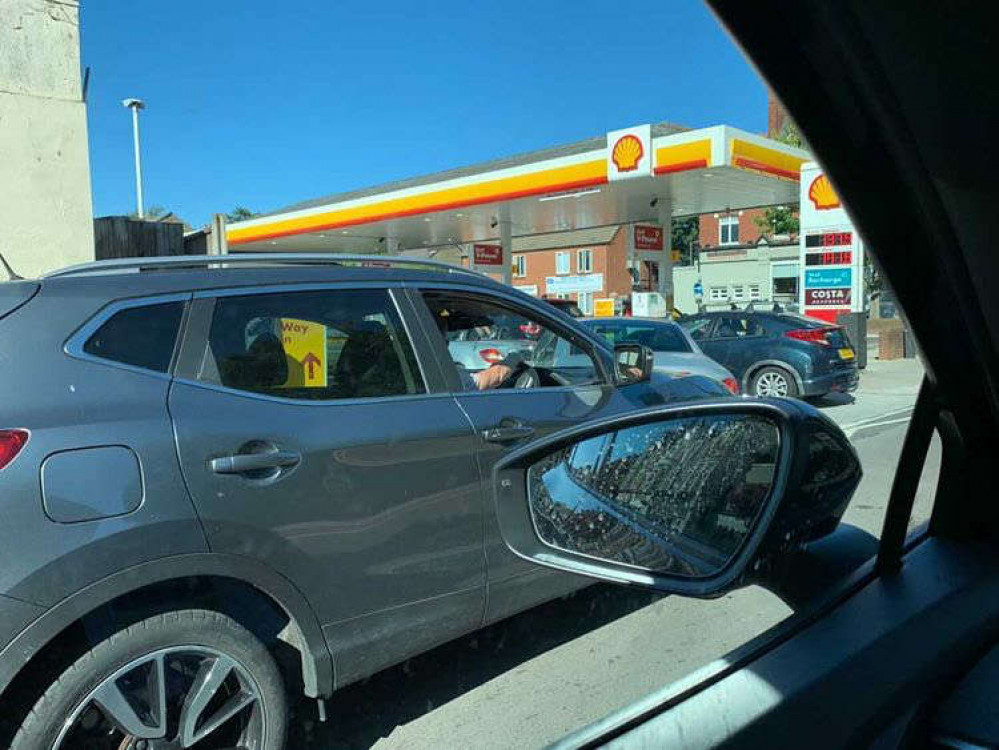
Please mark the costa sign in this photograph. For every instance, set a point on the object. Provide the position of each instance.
(648, 237)
(488, 255)
(827, 297)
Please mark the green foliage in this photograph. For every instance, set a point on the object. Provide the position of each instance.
(778, 220)
(684, 236)
(240, 213)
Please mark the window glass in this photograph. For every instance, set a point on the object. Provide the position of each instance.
(492, 345)
(139, 336)
(562, 263)
(322, 345)
(584, 261)
(697, 328)
(659, 337)
(728, 230)
(585, 301)
(521, 263)
(718, 293)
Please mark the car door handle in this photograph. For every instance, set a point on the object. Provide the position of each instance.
(507, 433)
(241, 463)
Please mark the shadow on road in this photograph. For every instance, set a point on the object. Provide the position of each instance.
(362, 713)
(833, 399)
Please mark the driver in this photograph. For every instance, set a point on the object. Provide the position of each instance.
(493, 376)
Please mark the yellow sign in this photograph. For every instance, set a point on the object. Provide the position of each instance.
(603, 308)
(675, 255)
(305, 346)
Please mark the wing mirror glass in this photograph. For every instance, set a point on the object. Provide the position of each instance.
(634, 362)
(691, 500)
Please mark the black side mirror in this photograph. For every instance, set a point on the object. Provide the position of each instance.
(689, 499)
(634, 362)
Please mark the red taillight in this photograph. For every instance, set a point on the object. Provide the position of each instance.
(11, 442)
(811, 335)
(492, 356)
(732, 384)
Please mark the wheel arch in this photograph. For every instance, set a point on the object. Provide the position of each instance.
(303, 629)
(757, 366)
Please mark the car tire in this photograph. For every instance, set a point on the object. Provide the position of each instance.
(176, 645)
(773, 381)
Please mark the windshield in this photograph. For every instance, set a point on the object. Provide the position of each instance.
(659, 337)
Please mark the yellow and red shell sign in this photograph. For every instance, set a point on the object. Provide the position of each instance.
(822, 194)
(627, 152)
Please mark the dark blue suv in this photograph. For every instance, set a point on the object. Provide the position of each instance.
(777, 354)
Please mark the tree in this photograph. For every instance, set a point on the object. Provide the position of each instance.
(240, 213)
(684, 236)
(153, 212)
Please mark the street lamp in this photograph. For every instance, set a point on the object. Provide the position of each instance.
(135, 105)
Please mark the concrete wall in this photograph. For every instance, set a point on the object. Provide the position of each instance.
(46, 214)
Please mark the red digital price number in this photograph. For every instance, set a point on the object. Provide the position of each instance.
(829, 239)
(829, 258)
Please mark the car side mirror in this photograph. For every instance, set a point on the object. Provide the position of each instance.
(687, 499)
(634, 362)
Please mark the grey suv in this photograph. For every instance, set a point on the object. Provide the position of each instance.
(222, 477)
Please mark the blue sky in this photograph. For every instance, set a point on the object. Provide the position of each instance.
(262, 104)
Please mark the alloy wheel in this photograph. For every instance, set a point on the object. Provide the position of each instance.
(771, 384)
(180, 697)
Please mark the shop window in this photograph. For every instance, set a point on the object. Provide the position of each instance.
(562, 263)
(584, 261)
(728, 230)
(785, 279)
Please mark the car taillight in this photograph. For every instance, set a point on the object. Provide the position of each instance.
(811, 335)
(492, 356)
(11, 442)
(732, 384)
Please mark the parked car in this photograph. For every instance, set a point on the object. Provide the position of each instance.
(777, 354)
(199, 465)
(675, 353)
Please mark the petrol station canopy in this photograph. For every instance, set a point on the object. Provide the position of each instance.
(648, 173)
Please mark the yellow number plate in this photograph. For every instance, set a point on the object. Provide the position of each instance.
(846, 353)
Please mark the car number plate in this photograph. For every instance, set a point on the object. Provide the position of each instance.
(846, 353)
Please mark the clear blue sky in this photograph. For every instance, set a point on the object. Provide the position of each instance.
(262, 103)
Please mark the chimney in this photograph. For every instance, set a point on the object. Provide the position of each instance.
(776, 116)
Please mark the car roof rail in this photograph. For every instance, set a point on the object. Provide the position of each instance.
(177, 262)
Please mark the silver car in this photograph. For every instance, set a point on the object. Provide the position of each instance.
(676, 354)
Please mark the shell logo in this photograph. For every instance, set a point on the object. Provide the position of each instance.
(627, 152)
(822, 194)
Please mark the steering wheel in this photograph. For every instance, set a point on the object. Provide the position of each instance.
(524, 376)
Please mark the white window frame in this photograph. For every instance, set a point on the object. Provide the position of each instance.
(585, 302)
(521, 262)
(755, 292)
(718, 294)
(568, 263)
(586, 267)
(728, 221)
(738, 293)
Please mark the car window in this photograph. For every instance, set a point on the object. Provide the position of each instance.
(738, 326)
(698, 328)
(317, 345)
(659, 337)
(139, 336)
(481, 334)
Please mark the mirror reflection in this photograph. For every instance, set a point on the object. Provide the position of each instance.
(677, 497)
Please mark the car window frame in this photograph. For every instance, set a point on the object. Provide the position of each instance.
(598, 352)
(197, 335)
(709, 328)
(75, 342)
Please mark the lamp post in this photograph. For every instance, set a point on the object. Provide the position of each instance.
(135, 105)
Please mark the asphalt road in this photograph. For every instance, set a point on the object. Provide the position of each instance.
(527, 681)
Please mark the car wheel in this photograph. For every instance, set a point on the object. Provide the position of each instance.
(773, 382)
(175, 680)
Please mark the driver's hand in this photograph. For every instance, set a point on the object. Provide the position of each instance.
(491, 377)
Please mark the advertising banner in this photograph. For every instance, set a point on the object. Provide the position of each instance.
(488, 255)
(591, 282)
(828, 277)
(828, 297)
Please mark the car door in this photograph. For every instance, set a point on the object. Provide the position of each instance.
(314, 437)
(723, 344)
(504, 418)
